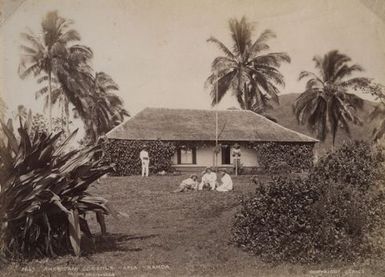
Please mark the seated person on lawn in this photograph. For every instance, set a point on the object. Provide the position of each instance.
(188, 184)
(226, 182)
(209, 180)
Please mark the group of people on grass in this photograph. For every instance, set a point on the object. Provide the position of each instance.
(209, 181)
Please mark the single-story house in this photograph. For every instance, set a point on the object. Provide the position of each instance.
(194, 131)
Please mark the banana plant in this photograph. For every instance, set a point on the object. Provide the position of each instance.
(43, 193)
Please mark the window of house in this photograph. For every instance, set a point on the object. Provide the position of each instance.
(186, 155)
(225, 150)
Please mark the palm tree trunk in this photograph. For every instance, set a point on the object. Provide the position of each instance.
(66, 107)
(246, 97)
(62, 113)
(49, 102)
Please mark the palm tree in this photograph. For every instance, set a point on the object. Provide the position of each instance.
(326, 103)
(75, 77)
(247, 71)
(104, 108)
(45, 53)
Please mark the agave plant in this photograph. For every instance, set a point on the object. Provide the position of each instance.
(43, 197)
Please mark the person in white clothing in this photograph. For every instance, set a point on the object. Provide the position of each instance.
(209, 179)
(226, 182)
(145, 159)
(190, 183)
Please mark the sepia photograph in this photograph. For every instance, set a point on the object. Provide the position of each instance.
(192, 138)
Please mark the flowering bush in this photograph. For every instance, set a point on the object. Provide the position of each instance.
(337, 212)
(125, 155)
(284, 158)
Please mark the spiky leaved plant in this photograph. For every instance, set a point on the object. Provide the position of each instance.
(44, 198)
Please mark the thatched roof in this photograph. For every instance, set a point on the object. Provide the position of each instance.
(199, 125)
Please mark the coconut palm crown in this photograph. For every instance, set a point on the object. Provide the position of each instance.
(246, 70)
(50, 54)
(326, 104)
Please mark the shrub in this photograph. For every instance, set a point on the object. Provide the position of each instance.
(125, 155)
(43, 194)
(335, 213)
(284, 158)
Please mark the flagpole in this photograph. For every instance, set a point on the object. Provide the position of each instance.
(216, 123)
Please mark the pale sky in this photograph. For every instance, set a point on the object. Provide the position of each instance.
(157, 51)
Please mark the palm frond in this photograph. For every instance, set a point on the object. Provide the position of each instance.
(272, 59)
(69, 36)
(33, 40)
(222, 84)
(33, 69)
(356, 83)
(346, 71)
(260, 44)
(241, 35)
(308, 74)
(29, 50)
(222, 47)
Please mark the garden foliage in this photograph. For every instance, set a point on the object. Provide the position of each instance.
(280, 158)
(125, 155)
(337, 212)
(43, 197)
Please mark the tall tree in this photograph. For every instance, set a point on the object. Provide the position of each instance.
(70, 77)
(47, 52)
(326, 104)
(246, 70)
(105, 109)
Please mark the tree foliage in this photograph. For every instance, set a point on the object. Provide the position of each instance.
(65, 66)
(105, 108)
(246, 70)
(284, 158)
(326, 104)
(336, 213)
(50, 53)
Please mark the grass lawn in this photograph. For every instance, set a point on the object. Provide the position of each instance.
(172, 234)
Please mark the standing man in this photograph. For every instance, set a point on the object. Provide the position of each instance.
(236, 153)
(144, 157)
